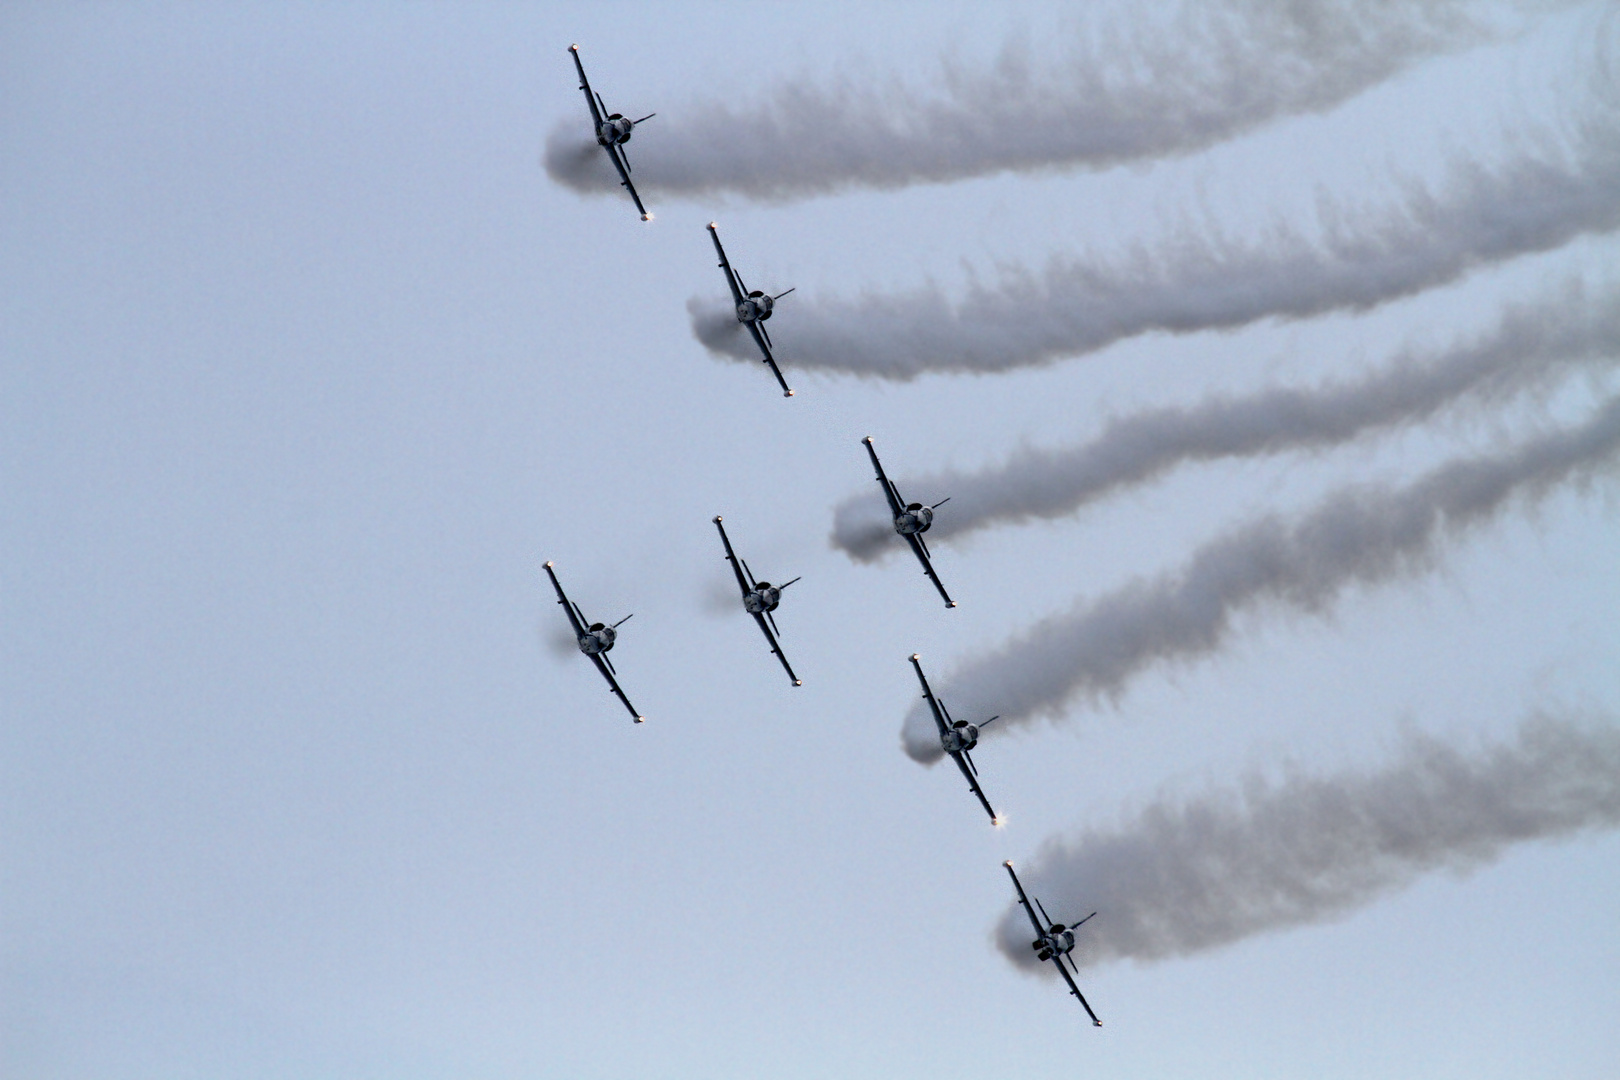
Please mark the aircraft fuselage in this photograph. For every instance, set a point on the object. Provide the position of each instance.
(597, 640)
(764, 597)
(615, 130)
(964, 736)
(1049, 944)
(757, 308)
(916, 518)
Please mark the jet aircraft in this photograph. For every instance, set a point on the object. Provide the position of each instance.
(957, 739)
(594, 640)
(753, 308)
(759, 598)
(1054, 943)
(911, 520)
(612, 132)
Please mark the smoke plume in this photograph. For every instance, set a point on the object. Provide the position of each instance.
(1358, 535)
(1536, 202)
(1187, 875)
(1215, 72)
(1529, 342)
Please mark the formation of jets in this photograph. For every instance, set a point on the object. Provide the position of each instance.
(957, 738)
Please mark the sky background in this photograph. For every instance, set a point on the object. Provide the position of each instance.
(306, 367)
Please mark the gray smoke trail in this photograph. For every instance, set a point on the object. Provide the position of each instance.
(1358, 535)
(1531, 204)
(1529, 342)
(1216, 72)
(1193, 874)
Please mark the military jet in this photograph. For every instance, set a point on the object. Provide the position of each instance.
(911, 520)
(753, 308)
(759, 598)
(612, 132)
(957, 739)
(594, 640)
(1054, 943)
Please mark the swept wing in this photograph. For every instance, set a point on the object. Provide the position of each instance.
(1057, 958)
(1040, 931)
(613, 684)
(568, 608)
(897, 505)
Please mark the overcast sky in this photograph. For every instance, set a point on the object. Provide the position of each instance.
(308, 363)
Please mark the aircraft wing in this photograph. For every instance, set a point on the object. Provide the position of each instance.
(573, 619)
(928, 567)
(939, 715)
(890, 492)
(742, 582)
(601, 665)
(624, 179)
(770, 361)
(1057, 958)
(765, 628)
(1040, 931)
(585, 85)
(731, 275)
(973, 783)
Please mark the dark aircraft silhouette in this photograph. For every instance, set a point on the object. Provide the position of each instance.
(753, 308)
(759, 598)
(957, 739)
(594, 640)
(911, 520)
(612, 132)
(1054, 943)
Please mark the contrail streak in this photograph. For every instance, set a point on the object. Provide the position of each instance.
(1481, 216)
(1358, 535)
(1529, 342)
(1216, 72)
(1187, 875)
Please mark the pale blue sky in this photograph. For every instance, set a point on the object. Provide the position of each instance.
(307, 367)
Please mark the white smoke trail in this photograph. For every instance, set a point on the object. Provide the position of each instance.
(1358, 535)
(1529, 342)
(1480, 216)
(1187, 875)
(1215, 72)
